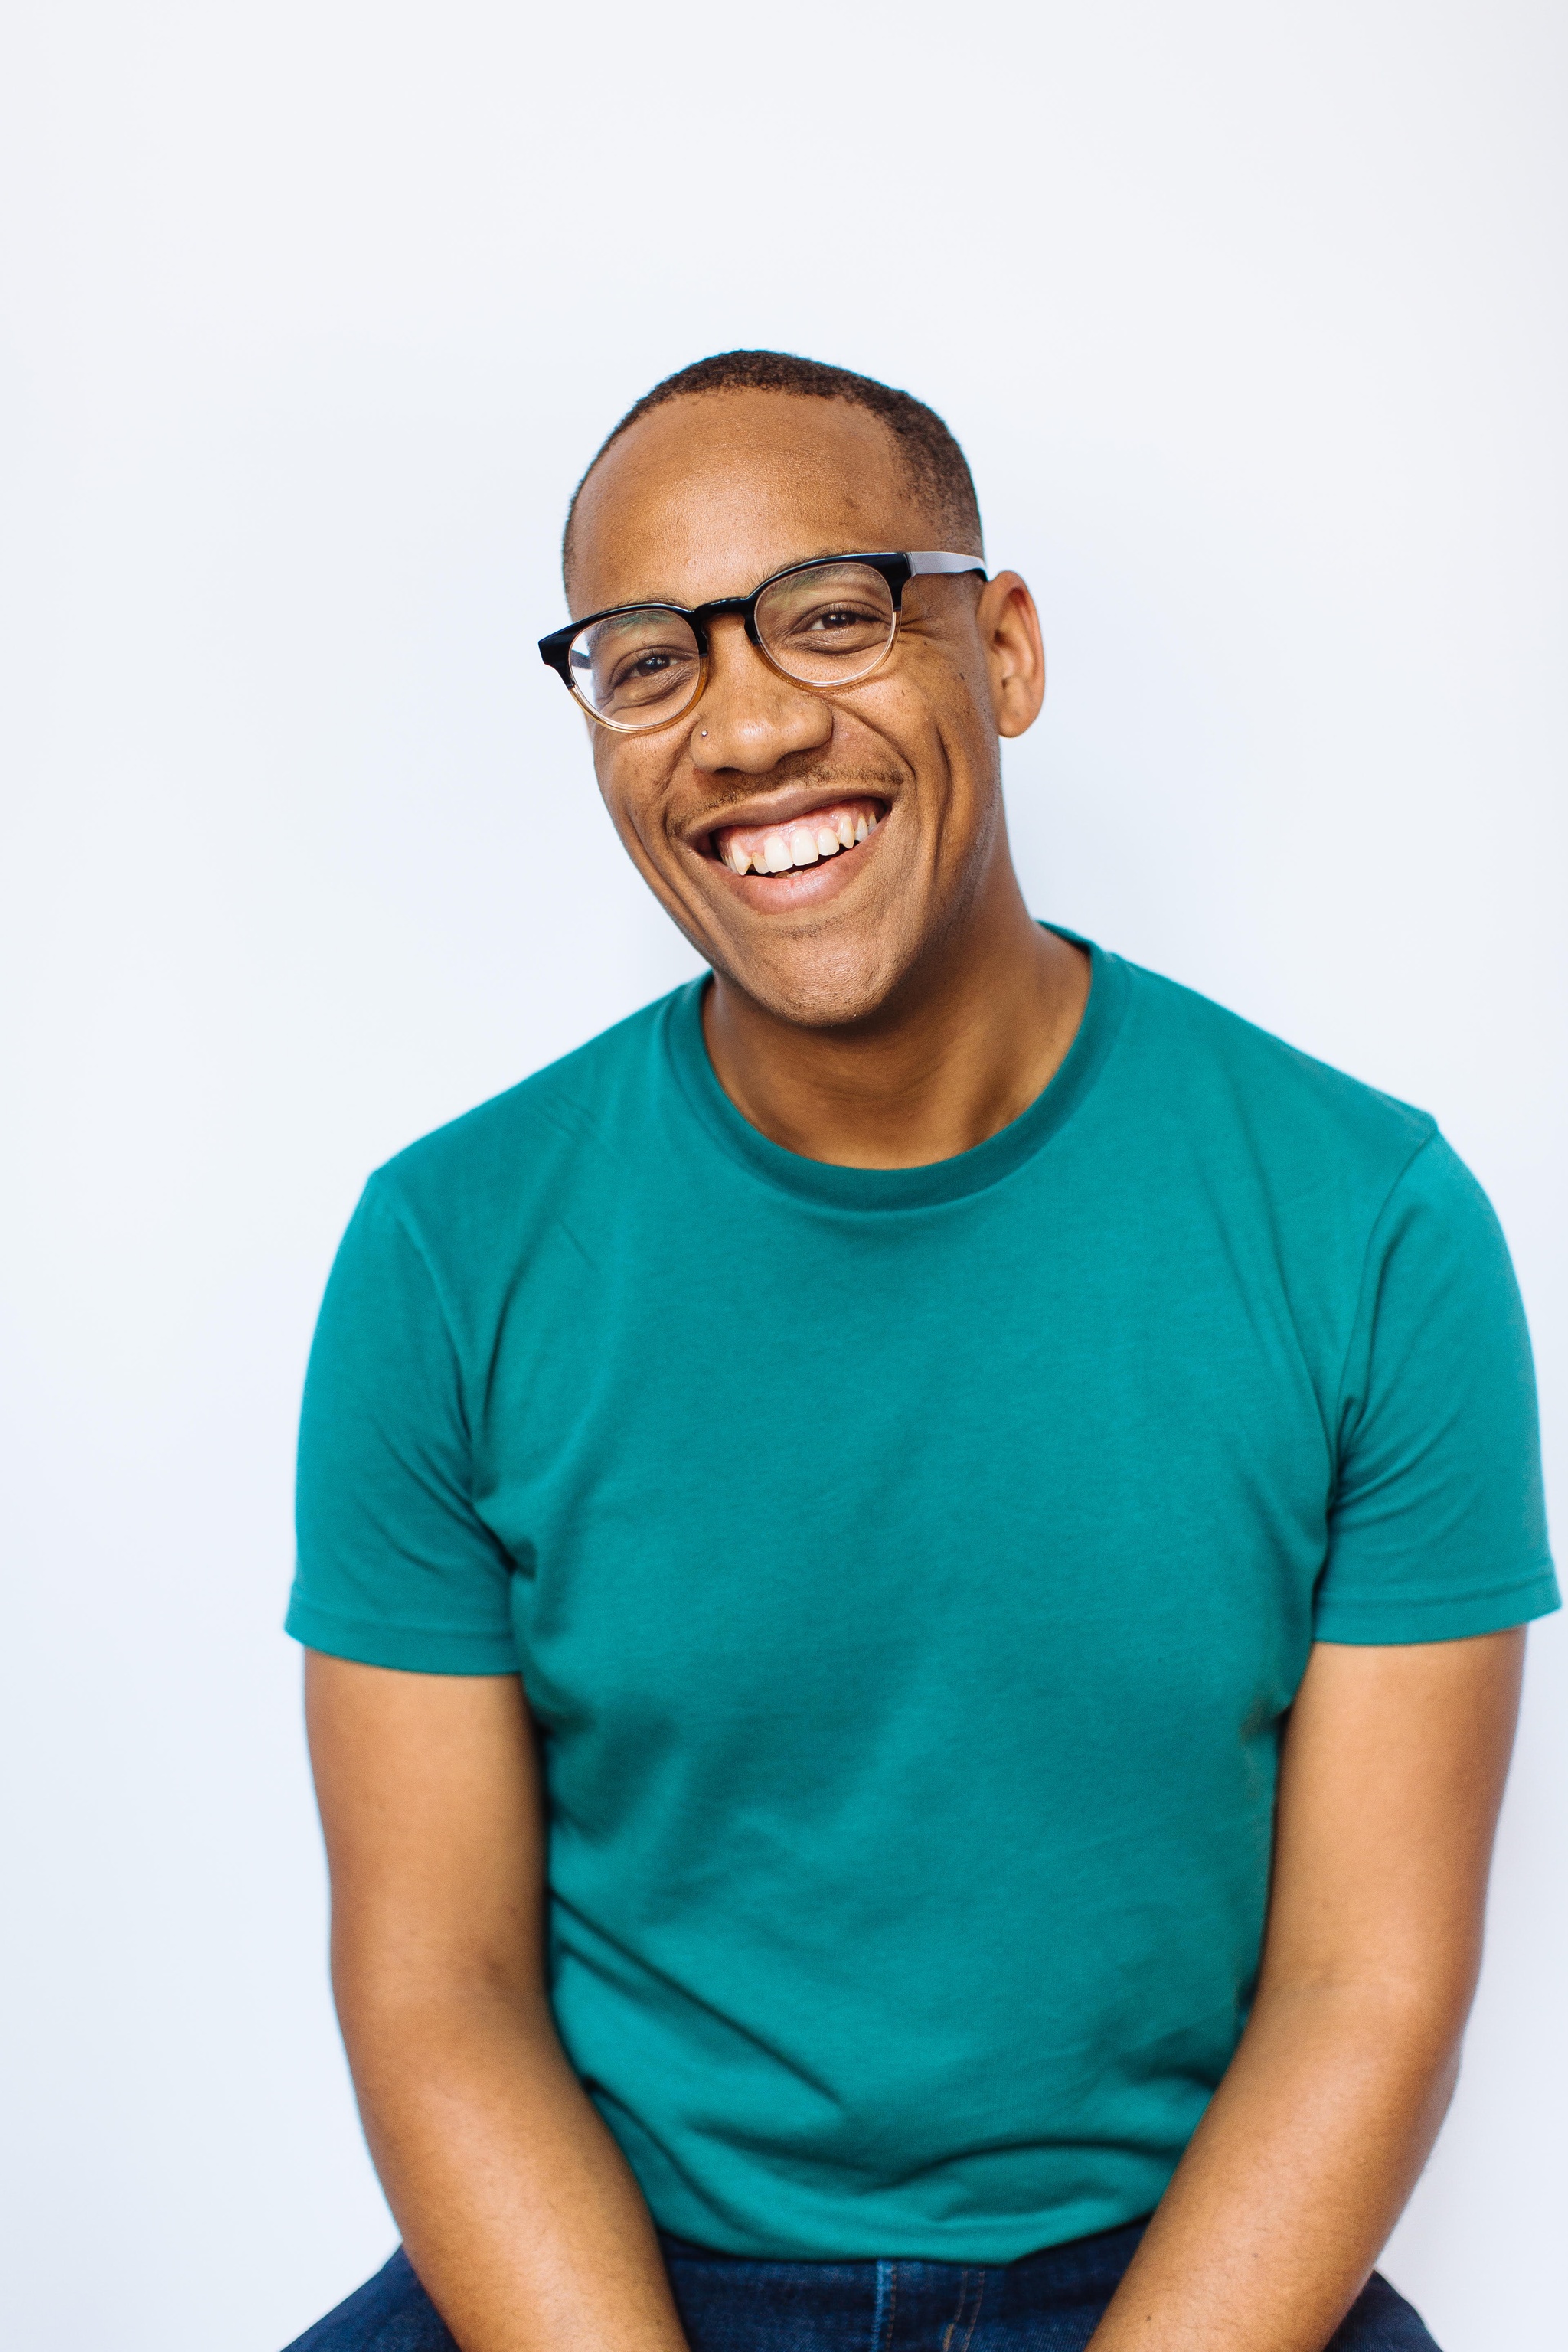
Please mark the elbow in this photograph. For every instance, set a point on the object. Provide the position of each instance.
(1408, 2015)
(394, 2004)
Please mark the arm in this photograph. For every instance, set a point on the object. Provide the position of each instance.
(519, 2212)
(1390, 1782)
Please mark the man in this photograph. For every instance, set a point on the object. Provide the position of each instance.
(912, 1562)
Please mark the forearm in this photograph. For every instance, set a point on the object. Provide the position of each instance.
(1279, 2210)
(517, 2207)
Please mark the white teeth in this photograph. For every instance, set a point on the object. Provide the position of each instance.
(802, 845)
(872, 821)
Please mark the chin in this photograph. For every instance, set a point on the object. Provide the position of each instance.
(816, 987)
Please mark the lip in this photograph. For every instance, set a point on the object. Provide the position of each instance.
(799, 886)
(779, 809)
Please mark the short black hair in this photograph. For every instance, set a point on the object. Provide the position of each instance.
(935, 464)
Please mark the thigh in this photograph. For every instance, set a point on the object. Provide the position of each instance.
(729, 2305)
(1380, 2320)
(391, 2313)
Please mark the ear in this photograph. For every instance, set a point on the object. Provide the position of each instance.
(1015, 651)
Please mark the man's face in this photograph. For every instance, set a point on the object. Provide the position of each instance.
(894, 783)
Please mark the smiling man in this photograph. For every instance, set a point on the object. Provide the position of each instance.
(911, 1563)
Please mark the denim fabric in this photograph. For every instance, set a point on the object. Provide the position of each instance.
(1047, 2303)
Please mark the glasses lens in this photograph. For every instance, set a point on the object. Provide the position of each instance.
(637, 669)
(828, 626)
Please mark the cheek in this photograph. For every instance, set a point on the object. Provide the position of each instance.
(960, 697)
(941, 691)
(891, 722)
(635, 786)
(933, 727)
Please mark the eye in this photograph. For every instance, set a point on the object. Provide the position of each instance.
(829, 617)
(827, 621)
(638, 669)
(638, 659)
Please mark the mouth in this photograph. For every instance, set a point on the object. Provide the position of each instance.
(834, 828)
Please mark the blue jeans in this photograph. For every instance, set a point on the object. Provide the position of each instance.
(1047, 2303)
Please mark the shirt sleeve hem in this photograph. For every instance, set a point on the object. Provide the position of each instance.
(1439, 1617)
(415, 1649)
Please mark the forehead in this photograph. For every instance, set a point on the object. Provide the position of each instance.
(708, 494)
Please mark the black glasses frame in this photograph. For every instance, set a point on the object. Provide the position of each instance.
(897, 569)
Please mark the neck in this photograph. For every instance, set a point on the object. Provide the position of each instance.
(962, 1050)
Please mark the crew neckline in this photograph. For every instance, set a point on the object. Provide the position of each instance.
(829, 1185)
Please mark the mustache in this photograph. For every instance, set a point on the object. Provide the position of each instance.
(805, 772)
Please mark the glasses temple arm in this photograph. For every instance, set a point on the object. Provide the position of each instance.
(927, 559)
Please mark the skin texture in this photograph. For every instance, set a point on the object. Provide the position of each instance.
(516, 2206)
(517, 2209)
(895, 1005)
(883, 1009)
(1392, 1775)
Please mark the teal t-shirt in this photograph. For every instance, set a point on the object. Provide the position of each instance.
(910, 1571)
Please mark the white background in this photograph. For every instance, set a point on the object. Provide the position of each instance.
(1251, 319)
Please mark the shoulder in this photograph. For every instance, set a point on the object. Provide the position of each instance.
(1282, 1104)
(595, 1103)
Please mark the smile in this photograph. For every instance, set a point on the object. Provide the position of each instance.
(780, 847)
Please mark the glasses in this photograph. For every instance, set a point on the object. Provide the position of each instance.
(824, 625)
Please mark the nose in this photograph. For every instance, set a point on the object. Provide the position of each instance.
(750, 718)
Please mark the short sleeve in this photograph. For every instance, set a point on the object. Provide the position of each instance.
(394, 1566)
(1437, 1529)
